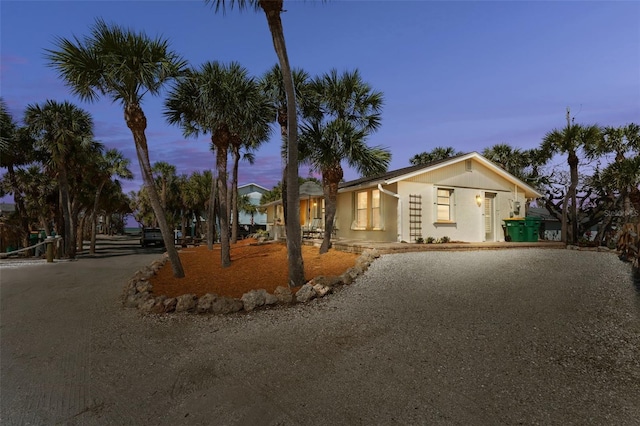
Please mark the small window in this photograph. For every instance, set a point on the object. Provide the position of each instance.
(467, 165)
(376, 218)
(361, 209)
(444, 204)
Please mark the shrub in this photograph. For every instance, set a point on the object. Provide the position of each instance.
(419, 240)
(430, 240)
(445, 239)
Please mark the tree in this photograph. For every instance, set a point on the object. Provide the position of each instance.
(523, 164)
(112, 164)
(124, 66)
(568, 141)
(272, 10)
(16, 149)
(61, 129)
(223, 101)
(348, 110)
(272, 84)
(436, 154)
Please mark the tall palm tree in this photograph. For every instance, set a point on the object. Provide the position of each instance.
(272, 10)
(568, 141)
(347, 111)
(112, 164)
(61, 129)
(123, 65)
(223, 101)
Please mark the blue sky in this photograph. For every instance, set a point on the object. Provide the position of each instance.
(461, 74)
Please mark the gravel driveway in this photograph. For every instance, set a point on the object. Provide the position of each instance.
(525, 336)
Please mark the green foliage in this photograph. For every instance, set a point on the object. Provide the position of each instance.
(430, 240)
(420, 240)
(436, 154)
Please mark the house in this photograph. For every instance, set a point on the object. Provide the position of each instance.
(311, 207)
(465, 198)
(254, 192)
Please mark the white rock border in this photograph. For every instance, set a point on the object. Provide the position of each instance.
(138, 292)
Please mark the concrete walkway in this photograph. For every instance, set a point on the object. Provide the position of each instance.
(459, 337)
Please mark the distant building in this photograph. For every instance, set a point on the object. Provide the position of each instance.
(254, 192)
(7, 209)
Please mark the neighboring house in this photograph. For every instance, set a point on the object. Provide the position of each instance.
(254, 192)
(7, 208)
(311, 207)
(551, 228)
(465, 198)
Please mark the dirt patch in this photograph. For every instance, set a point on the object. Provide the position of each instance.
(253, 266)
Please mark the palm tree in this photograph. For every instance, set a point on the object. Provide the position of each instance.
(272, 84)
(112, 163)
(61, 129)
(223, 101)
(272, 10)
(16, 149)
(437, 153)
(123, 65)
(348, 111)
(568, 141)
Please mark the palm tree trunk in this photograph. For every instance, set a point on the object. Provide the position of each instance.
(573, 167)
(94, 218)
(331, 178)
(272, 10)
(137, 123)
(211, 217)
(69, 241)
(221, 164)
(234, 196)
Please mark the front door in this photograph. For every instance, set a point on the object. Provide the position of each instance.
(489, 228)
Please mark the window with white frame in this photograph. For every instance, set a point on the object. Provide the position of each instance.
(444, 203)
(368, 210)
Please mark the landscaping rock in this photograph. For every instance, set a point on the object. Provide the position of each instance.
(205, 303)
(143, 286)
(186, 303)
(321, 290)
(283, 294)
(253, 299)
(169, 304)
(270, 299)
(306, 293)
(147, 305)
(226, 305)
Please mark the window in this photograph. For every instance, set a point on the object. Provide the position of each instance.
(361, 209)
(368, 210)
(444, 205)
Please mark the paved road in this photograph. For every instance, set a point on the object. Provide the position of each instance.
(524, 336)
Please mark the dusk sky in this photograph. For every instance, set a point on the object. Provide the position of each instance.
(461, 74)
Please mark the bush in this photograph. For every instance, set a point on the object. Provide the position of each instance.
(419, 240)
(430, 240)
(445, 239)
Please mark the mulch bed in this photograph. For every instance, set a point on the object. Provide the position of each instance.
(253, 266)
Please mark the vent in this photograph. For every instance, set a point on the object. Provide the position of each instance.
(467, 165)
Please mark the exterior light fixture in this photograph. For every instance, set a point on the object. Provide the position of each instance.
(479, 200)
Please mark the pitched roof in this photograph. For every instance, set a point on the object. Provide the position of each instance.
(395, 173)
(408, 172)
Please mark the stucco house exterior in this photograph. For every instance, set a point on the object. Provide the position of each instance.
(465, 198)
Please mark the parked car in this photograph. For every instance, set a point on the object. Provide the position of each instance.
(151, 236)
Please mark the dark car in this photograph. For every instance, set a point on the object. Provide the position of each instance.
(151, 236)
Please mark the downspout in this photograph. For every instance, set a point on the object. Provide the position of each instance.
(399, 212)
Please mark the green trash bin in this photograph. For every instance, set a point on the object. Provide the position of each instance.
(515, 229)
(532, 228)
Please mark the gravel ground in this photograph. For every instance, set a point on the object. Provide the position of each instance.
(524, 336)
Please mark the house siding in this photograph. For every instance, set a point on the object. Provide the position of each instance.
(345, 217)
